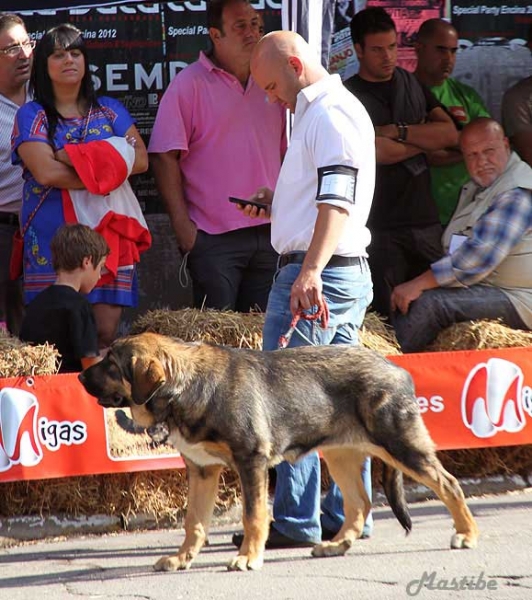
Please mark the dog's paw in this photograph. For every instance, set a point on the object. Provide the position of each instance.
(243, 562)
(331, 549)
(464, 540)
(176, 562)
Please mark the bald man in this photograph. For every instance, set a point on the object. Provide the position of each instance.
(487, 272)
(318, 222)
(436, 47)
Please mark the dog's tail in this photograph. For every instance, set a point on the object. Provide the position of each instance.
(392, 482)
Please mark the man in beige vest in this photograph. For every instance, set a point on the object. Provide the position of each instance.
(487, 271)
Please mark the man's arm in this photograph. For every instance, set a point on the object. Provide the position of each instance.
(474, 106)
(390, 152)
(436, 133)
(445, 157)
(307, 288)
(168, 179)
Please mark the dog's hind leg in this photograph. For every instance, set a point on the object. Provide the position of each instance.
(253, 474)
(428, 470)
(345, 465)
(202, 491)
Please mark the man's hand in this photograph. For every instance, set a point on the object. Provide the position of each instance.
(404, 294)
(407, 292)
(306, 291)
(263, 195)
(186, 236)
(388, 131)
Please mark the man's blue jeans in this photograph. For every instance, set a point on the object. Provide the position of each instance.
(348, 292)
(440, 308)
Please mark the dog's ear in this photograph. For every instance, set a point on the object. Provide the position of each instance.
(148, 377)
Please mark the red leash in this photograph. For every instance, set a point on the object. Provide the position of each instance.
(322, 313)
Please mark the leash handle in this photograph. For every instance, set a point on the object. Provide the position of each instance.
(322, 313)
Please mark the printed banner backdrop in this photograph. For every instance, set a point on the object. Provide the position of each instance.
(493, 55)
(50, 427)
(407, 15)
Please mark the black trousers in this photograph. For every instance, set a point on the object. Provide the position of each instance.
(234, 270)
(11, 298)
(398, 255)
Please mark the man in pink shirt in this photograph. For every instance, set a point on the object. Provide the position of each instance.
(215, 136)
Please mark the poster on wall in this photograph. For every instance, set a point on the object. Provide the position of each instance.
(492, 37)
(407, 16)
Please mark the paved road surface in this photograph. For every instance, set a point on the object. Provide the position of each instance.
(387, 566)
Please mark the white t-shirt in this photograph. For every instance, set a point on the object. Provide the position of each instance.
(331, 128)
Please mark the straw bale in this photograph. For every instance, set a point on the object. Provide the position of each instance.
(239, 330)
(482, 462)
(377, 335)
(160, 494)
(19, 360)
(244, 330)
(7, 341)
(480, 335)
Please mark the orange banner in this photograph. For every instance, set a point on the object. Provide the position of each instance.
(50, 427)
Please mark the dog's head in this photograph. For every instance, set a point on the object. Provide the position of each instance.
(130, 375)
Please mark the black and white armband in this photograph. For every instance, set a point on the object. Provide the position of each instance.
(337, 182)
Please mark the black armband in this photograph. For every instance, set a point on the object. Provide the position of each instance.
(337, 182)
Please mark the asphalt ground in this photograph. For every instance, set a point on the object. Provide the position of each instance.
(387, 566)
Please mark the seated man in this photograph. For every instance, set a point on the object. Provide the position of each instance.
(487, 272)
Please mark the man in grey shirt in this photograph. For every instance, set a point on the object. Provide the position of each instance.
(16, 50)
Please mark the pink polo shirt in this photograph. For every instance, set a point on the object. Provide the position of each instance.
(231, 142)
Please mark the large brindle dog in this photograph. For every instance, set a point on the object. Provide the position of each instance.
(250, 410)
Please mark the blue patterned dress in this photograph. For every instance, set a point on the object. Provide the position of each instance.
(31, 125)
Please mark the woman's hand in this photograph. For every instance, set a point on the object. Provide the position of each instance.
(141, 154)
(62, 156)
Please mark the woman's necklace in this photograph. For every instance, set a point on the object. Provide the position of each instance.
(87, 119)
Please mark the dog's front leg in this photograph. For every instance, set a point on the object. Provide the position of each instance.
(254, 481)
(202, 491)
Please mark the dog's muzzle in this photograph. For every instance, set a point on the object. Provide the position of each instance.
(112, 401)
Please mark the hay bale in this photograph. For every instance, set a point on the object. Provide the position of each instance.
(226, 328)
(22, 360)
(480, 335)
(244, 330)
(377, 335)
(160, 494)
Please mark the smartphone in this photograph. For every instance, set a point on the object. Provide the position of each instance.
(246, 202)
